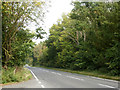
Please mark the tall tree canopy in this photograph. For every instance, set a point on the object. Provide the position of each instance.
(86, 39)
(16, 39)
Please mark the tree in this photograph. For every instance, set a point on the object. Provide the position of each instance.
(86, 39)
(16, 39)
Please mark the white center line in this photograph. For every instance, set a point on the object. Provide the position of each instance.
(42, 86)
(75, 78)
(56, 73)
(79, 79)
(106, 85)
(59, 74)
(53, 72)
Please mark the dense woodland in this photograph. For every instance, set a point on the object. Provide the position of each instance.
(17, 41)
(85, 39)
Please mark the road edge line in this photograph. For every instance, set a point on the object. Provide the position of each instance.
(36, 78)
(34, 75)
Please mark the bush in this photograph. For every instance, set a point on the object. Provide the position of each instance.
(8, 75)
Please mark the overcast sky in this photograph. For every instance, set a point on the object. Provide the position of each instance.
(58, 7)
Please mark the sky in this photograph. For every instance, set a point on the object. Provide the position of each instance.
(58, 7)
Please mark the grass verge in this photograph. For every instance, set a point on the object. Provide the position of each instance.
(89, 73)
(9, 76)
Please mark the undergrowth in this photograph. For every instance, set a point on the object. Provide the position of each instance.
(11, 75)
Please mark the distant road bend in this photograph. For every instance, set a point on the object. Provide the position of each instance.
(47, 78)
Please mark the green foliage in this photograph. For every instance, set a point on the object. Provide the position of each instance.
(17, 44)
(17, 41)
(9, 75)
(86, 39)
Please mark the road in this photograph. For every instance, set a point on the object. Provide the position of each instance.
(47, 78)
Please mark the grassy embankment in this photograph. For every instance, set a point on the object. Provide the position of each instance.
(86, 72)
(10, 76)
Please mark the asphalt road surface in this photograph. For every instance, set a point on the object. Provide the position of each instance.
(47, 78)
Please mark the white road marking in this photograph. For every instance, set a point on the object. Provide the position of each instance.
(39, 82)
(56, 73)
(75, 78)
(79, 79)
(36, 78)
(42, 86)
(34, 75)
(106, 85)
(104, 79)
(53, 72)
(59, 74)
(111, 80)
